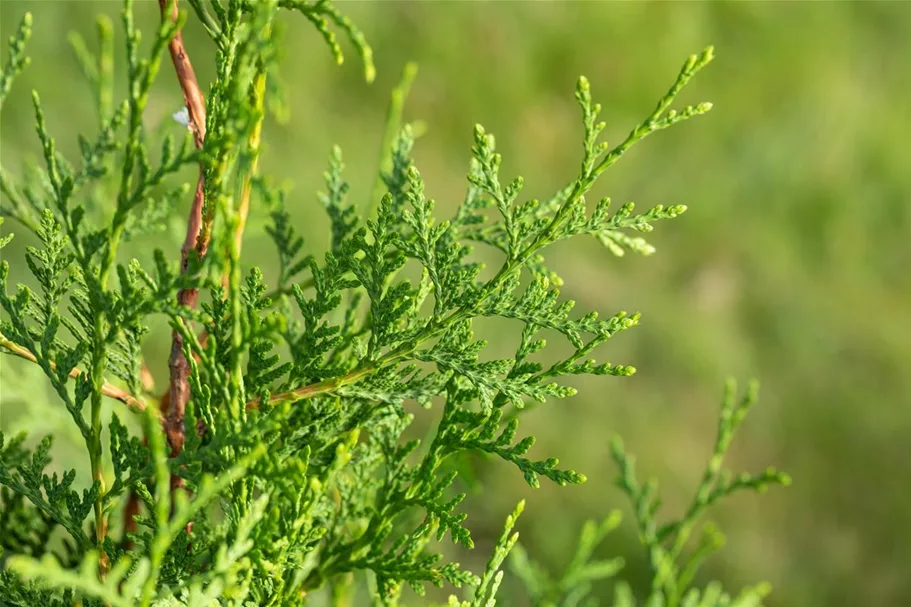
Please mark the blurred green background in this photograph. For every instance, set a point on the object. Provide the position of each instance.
(791, 266)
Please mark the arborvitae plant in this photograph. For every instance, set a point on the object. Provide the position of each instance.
(273, 465)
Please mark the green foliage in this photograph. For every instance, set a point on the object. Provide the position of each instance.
(292, 472)
(673, 572)
(665, 543)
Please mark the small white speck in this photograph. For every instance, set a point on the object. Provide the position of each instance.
(183, 117)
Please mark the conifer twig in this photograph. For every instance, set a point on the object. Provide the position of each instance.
(135, 404)
(107, 389)
(196, 239)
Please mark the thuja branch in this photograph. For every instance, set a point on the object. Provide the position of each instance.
(112, 391)
(107, 388)
(137, 405)
(297, 484)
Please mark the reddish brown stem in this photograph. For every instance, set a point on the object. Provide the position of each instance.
(192, 94)
(179, 392)
(196, 242)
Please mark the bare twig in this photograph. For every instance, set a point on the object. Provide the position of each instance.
(196, 241)
(179, 392)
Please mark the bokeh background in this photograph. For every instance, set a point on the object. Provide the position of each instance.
(791, 266)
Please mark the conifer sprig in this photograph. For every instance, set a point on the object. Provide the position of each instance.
(665, 543)
(16, 59)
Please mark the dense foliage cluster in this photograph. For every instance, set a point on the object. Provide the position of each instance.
(275, 465)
